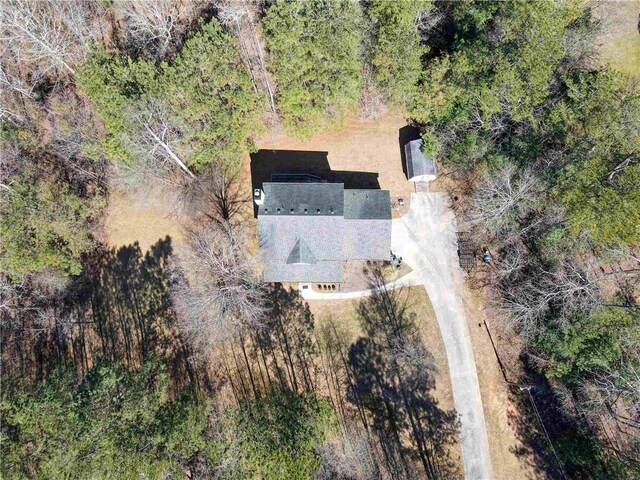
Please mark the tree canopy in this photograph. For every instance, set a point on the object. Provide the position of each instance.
(199, 107)
(114, 423)
(395, 47)
(44, 225)
(278, 435)
(314, 52)
(599, 120)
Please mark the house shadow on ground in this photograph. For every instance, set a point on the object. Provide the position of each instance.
(265, 163)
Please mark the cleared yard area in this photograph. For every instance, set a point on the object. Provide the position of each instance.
(360, 146)
(372, 147)
(346, 312)
(145, 219)
(620, 38)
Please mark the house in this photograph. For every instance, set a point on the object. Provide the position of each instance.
(308, 230)
(419, 167)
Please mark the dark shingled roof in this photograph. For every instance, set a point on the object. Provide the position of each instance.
(303, 199)
(417, 163)
(367, 204)
(311, 247)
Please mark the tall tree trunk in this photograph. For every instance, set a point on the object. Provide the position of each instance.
(168, 150)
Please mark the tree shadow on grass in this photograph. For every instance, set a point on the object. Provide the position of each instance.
(394, 383)
(118, 310)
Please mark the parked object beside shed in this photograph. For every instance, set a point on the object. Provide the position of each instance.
(420, 168)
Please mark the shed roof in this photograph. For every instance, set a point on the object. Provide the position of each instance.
(417, 163)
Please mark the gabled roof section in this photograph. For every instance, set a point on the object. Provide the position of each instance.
(367, 204)
(317, 199)
(301, 254)
(417, 163)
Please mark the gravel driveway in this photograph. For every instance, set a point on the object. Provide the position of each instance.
(426, 239)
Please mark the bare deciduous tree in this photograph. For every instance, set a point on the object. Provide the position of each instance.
(42, 41)
(528, 299)
(351, 455)
(218, 292)
(216, 194)
(49, 35)
(609, 399)
(511, 261)
(151, 24)
(372, 104)
(155, 140)
(504, 199)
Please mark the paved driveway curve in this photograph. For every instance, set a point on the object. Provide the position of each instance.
(426, 239)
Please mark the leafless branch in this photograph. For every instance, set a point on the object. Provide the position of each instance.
(217, 291)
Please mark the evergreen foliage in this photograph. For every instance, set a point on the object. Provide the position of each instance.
(496, 67)
(517, 84)
(44, 225)
(314, 50)
(599, 122)
(204, 97)
(113, 424)
(587, 343)
(279, 433)
(505, 88)
(395, 47)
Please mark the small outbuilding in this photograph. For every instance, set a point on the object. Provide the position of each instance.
(420, 168)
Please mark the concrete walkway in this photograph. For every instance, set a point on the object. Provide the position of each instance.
(426, 240)
(412, 278)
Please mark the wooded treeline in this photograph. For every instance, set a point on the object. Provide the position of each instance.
(112, 359)
(544, 144)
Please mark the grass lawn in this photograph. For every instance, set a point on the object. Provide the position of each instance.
(346, 312)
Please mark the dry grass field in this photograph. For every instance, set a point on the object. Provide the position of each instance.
(346, 312)
(620, 38)
(144, 219)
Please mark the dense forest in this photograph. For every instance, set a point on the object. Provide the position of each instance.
(119, 363)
